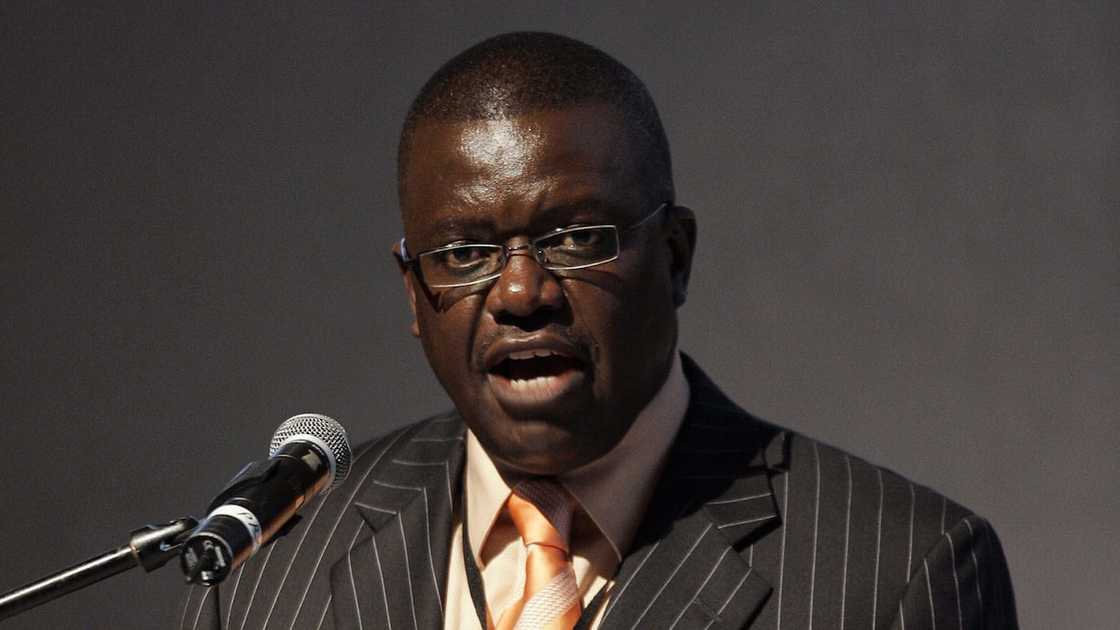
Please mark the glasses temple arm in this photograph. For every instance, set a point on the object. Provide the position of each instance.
(643, 220)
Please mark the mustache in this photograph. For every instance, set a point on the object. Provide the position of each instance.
(575, 338)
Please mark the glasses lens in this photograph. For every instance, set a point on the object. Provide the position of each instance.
(460, 265)
(579, 247)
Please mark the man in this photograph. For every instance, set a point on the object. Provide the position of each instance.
(590, 475)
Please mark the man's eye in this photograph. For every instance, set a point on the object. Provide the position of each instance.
(580, 239)
(463, 257)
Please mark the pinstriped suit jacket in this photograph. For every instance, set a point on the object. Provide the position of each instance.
(752, 527)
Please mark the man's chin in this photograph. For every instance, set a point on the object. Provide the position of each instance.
(548, 464)
(538, 447)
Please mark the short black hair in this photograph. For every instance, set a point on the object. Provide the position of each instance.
(514, 73)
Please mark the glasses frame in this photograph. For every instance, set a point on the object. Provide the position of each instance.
(413, 261)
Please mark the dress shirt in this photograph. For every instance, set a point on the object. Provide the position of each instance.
(612, 493)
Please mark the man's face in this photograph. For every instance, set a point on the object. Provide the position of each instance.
(548, 369)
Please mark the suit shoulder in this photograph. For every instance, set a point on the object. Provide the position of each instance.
(917, 513)
(805, 451)
(369, 455)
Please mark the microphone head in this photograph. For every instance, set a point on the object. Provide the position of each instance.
(322, 431)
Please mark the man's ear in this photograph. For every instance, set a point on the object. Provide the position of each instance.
(681, 240)
(409, 287)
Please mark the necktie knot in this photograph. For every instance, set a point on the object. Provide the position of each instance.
(541, 511)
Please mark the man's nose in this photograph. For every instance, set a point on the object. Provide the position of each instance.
(524, 287)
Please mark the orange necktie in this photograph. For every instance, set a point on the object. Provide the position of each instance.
(542, 513)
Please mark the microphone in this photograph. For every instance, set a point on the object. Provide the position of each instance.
(309, 454)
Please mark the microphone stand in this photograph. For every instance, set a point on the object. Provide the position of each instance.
(150, 547)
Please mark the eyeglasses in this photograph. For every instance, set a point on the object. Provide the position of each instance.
(562, 249)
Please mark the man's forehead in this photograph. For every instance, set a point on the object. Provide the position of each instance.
(545, 158)
(508, 143)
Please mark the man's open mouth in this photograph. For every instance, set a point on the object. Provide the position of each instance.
(528, 365)
(529, 381)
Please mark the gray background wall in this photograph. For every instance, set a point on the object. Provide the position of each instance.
(908, 248)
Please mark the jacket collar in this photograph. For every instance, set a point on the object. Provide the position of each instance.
(425, 463)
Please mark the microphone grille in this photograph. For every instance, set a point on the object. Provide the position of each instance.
(323, 429)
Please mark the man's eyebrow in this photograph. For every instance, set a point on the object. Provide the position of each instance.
(460, 227)
(456, 226)
(591, 208)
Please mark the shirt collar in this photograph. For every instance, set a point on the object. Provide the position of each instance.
(613, 489)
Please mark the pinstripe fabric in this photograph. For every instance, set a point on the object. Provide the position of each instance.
(751, 526)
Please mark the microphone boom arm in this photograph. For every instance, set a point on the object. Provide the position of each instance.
(150, 547)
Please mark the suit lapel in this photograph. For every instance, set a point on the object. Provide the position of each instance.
(686, 568)
(394, 575)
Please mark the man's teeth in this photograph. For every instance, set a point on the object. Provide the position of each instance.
(521, 355)
(535, 383)
(539, 388)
